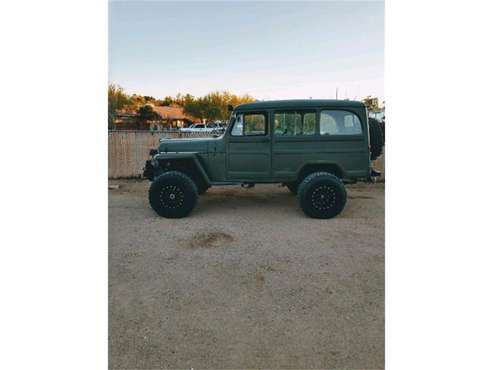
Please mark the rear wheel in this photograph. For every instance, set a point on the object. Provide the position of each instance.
(322, 195)
(173, 195)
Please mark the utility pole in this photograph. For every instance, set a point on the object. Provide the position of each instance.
(337, 92)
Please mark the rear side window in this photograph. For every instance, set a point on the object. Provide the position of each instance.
(294, 123)
(250, 124)
(339, 122)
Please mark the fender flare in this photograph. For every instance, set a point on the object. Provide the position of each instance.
(320, 164)
(188, 156)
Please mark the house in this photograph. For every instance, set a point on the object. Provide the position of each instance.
(169, 117)
(125, 120)
(173, 117)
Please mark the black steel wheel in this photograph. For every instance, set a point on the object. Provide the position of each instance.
(173, 195)
(322, 195)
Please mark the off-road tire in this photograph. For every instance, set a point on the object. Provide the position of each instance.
(293, 187)
(376, 138)
(322, 195)
(173, 195)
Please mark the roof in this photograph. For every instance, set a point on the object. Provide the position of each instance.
(165, 112)
(172, 113)
(310, 103)
(169, 112)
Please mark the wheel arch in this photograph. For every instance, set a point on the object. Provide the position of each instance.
(309, 168)
(187, 163)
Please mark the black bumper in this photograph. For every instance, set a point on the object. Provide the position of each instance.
(149, 171)
(375, 173)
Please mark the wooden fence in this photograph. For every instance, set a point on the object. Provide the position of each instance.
(128, 150)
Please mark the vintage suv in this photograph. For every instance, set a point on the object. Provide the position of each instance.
(311, 146)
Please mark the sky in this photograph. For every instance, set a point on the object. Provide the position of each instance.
(270, 50)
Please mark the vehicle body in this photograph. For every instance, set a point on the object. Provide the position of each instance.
(294, 142)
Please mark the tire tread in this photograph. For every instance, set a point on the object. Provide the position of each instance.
(190, 190)
(305, 186)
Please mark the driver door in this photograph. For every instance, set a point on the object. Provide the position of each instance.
(249, 147)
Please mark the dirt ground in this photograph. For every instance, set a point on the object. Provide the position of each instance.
(247, 281)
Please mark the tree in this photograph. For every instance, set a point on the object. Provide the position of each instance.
(222, 99)
(167, 101)
(213, 106)
(136, 101)
(371, 103)
(117, 99)
(183, 100)
(194, 108)
(146, 113)
(203, 108)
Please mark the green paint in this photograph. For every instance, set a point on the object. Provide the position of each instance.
(276, 141)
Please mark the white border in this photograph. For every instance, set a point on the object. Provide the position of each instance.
(53, 189)
(54, 195)
(438, 181)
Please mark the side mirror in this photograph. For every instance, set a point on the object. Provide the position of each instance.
(230, 108)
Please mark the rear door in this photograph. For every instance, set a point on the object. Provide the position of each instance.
(316, 136)
(294, 140)
(249, 147)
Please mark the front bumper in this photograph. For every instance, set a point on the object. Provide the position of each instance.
(149, 170)
(150, 166)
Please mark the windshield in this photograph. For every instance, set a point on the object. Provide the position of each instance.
(232, 119)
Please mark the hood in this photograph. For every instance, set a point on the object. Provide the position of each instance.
(200, 145)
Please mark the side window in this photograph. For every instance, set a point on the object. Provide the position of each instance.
(339, 122)
(294, 123)
(250, 124)
(309, 119)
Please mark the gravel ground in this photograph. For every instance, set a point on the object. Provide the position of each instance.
(247, 281)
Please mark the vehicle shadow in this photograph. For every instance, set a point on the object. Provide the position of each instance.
(248, 200)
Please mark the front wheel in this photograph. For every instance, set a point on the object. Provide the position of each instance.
(173, 195)
(322, 195)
